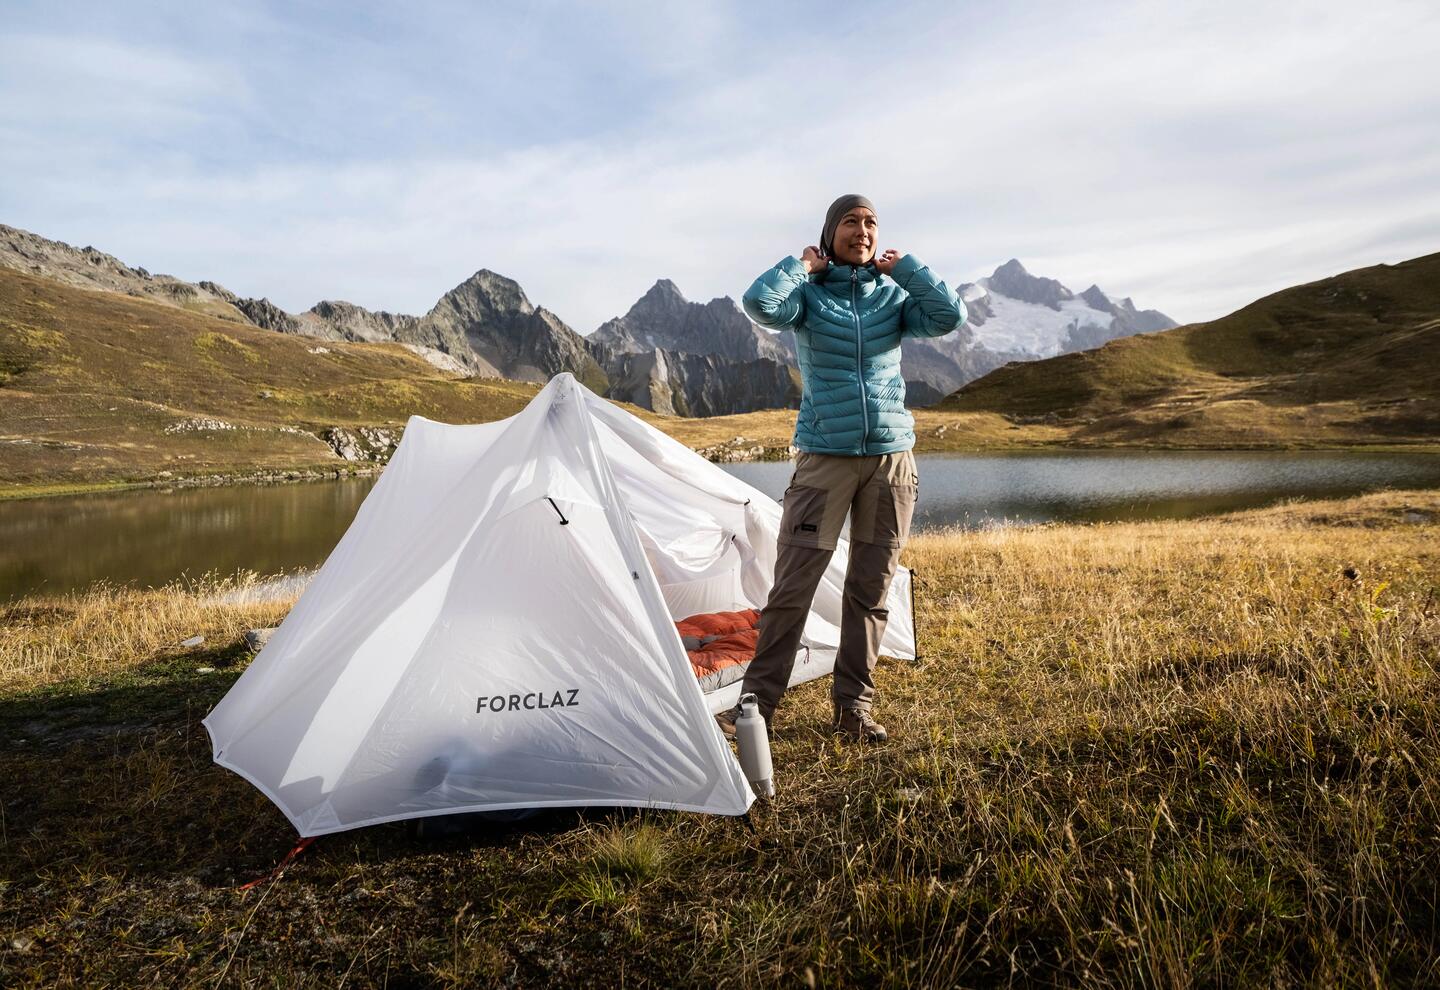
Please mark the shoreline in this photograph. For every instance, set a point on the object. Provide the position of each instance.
(723, 453)
(220, 479)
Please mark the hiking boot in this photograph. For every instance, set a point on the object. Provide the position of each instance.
(856, 725)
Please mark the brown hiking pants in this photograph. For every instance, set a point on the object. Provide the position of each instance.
(878, 492)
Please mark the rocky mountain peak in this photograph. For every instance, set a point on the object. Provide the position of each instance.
(265, 314)
(352, 322)
(1095, 298)
(662, 301)
(486, 295)
(218, 291)
(1011, 279)
(665, 288)
(663, 319)
(335, 309)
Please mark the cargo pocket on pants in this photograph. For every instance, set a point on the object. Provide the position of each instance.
(893, 513)
(803, 512)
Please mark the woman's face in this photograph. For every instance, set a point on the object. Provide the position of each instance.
(855, 237)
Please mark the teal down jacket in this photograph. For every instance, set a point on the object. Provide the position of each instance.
(848, 322)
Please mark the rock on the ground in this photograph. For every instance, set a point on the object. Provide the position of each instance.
(255, 639)
(365, 443)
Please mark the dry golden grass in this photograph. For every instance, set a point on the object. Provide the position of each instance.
(768, 427)
(935, 430)
(109, 630)
(1199, 753)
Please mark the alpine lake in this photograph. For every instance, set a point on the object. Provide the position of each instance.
(152, 537)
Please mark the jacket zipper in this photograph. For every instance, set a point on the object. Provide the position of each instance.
(859, 356)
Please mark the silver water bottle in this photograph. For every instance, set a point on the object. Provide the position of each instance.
(754, 743)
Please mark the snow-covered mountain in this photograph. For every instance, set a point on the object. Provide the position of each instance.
(1018, 317)
(1038, 317)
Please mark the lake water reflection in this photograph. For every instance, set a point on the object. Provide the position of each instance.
(977, 490)
(152, 537)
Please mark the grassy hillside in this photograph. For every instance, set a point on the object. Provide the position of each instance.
(96, 386)
(100, 388)
(1346, 360)
(1157, 754)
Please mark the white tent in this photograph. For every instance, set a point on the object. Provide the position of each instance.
(496, 629)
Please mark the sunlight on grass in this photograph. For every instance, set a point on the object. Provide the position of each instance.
(1158, 753)
(110, 629)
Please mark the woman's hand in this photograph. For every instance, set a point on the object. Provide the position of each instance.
(813, 259)
(886, 262)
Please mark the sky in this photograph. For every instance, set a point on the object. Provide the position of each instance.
(1192, 156)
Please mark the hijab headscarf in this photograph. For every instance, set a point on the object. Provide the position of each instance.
(837, 211)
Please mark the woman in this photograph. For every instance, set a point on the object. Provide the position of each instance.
(849, 310)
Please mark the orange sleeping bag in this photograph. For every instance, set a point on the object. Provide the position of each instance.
(719, 645)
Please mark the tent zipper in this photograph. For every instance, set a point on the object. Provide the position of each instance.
(859, 355)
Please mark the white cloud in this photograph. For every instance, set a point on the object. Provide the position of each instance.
(1192, 158)
(86, 91)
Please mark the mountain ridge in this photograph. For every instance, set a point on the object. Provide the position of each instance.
(1348, 355)
(488, 326)
(99, 387)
